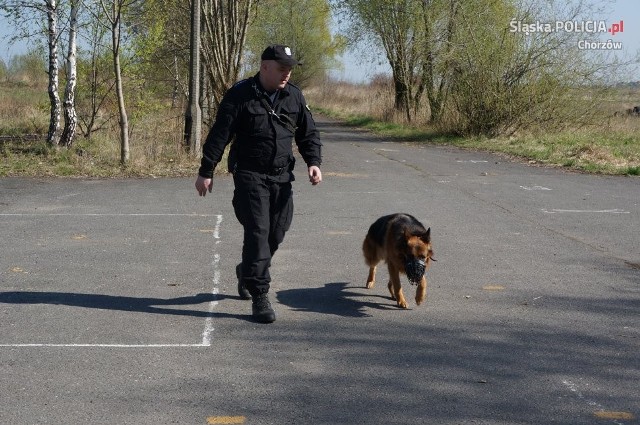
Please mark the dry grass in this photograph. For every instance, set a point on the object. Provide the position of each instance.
(23, 109)
(155, 142)
(611, 145)
(351, 100)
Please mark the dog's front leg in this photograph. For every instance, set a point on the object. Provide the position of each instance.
(396, 287)
(421, 290)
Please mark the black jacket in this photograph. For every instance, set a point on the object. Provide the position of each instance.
(262, 141)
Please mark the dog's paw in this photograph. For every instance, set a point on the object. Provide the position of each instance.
(419, 300)
(402, 304)
(370, 284)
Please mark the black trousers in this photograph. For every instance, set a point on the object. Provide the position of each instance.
(264, 208)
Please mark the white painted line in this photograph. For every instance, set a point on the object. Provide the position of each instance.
(208, 325)
(360, 193)
(105, 215)
(105, 345)
(534, 188)
(614, 211)
(68, 195)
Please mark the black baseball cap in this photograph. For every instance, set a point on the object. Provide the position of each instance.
(281, 54)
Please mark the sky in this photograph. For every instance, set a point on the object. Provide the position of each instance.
(359, 66)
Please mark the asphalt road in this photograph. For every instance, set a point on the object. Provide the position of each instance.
(118, 302)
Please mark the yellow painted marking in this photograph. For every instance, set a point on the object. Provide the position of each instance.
(79, 237)
(614, 415)
(226, 420)
(337, 232)
(493, 288)
(207, 230)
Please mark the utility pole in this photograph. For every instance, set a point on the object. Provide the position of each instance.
(193, 114)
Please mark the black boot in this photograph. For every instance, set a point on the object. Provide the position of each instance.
(242, 291)
(262, 311)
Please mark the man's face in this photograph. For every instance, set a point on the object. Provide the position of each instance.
(274, 76)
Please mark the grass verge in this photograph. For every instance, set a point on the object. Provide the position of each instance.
(612, 149)
(156, 151)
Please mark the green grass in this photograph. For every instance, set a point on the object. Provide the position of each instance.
(390, 130)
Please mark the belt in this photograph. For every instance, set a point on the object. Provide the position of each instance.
(269, 171)
(276, 171)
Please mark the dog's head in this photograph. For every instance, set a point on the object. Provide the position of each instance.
(418, 255)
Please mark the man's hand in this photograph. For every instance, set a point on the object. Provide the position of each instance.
(315, 175)
(203, 184)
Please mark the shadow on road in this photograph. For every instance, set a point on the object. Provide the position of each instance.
(121, 303)
(333, 298)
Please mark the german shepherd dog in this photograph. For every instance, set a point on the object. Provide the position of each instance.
(405, 245)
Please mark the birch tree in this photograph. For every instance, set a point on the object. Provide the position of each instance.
(24, 14)
(70, 116)
(51, 7)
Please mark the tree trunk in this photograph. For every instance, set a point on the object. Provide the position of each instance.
(437, 83)
(124, 120)
(176, 82)
(401, 89)
(54, 97)
(70, 117)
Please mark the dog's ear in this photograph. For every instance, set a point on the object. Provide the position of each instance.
(426, 236)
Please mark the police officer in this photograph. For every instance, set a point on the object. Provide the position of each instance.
(262, 115)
